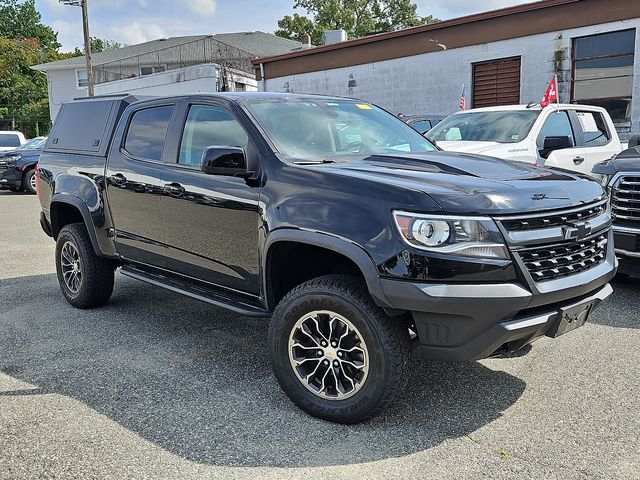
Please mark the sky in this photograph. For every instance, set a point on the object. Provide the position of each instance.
(137, 21)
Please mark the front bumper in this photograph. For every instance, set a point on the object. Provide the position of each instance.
(473, 321)
(627, 243)
(10, 177)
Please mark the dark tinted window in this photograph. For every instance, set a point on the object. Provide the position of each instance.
(603, 71)
(9, 140)
(556, 125)
(208, 126)
(147, 132)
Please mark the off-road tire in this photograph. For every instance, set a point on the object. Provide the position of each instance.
(96, 284)
(386, 338)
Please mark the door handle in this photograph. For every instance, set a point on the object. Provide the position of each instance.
(174, 188)
(578, 160)
(118, 179)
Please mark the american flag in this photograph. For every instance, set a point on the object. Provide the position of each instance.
(463, 100)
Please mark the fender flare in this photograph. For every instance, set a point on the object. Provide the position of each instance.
(68, 199)
(342, 246)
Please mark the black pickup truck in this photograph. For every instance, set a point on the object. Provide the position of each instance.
(334, 219)
(621, 175)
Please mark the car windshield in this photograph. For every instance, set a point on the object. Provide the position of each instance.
(9, 140)
(321, 129)
(501, 127)
(32, 144)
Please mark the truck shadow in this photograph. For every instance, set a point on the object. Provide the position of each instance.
(196, 381)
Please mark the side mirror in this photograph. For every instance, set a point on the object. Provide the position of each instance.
(551, 144)
(226, 161)
(634, 141)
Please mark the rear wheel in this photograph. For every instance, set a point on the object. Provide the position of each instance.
(29, 181)
(85, 279)
(335, 353)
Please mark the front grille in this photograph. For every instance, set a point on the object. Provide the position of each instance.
(562, 260)
(555, 220)
(558, 244)
(3, 165)
(625, 201)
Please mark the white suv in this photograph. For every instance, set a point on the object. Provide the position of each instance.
(11, 140)
(573, 137)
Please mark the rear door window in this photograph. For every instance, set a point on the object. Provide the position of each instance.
(594, 128)
(9, 140)
(147, 132)
(557, 124)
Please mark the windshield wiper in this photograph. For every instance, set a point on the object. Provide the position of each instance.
(313, 162)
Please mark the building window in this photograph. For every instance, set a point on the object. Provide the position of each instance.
(82, 79)
(240, 87)
(150, 69)
(603, 72)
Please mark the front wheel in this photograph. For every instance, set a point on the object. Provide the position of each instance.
(335, 353)
(85, 279)
(29, 181)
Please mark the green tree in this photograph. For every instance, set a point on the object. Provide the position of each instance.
(21, 20)
(98, 45)
(23, 91)
(357, 17)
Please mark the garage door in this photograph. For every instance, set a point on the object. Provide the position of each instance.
(496, 83)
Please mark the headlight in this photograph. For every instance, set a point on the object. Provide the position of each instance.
(602, 179)
(11, 160)
(466, 236)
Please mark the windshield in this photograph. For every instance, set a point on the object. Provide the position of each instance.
(321, 129)
(501, 127)
(32, 144)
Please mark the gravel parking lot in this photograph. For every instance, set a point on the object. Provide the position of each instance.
(156, 385)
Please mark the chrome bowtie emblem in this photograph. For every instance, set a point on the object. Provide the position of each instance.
(576, 231)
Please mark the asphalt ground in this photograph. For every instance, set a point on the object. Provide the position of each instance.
(156, 385)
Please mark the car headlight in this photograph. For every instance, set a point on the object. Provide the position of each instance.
(477, 237)
(11, 160)
(601, 178)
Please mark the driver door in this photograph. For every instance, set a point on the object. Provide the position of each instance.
(558, 124)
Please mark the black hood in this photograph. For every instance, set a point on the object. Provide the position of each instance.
(463, 183)
(627, 161)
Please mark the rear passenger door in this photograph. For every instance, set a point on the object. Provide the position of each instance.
(596, 138)
(210, 221)
(134, 183)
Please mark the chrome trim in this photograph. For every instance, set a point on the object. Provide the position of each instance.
(545, 213)
(528, 322)
(619, 229)
(617, 176)
(498, 290)
(627, 253)
(547, 235)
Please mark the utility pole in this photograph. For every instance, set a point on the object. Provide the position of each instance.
(87, 40)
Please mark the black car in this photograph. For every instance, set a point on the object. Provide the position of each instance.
(18, 167)
(334, 219)
(423, 123)
(622, 176)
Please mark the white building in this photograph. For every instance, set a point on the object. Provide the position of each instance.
(171, 66)
(505, 56)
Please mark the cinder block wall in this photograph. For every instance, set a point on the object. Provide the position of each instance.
(431, 83)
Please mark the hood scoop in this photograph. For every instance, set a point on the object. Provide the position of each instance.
(414, 163)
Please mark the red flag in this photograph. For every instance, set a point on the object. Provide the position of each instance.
(551, 95)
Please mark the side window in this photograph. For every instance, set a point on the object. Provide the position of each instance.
(422, 125)
(206, 126)
(557, 124)
(595, 129)
(147, 131)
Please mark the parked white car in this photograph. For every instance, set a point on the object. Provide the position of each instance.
(11, 140)
(573, 137)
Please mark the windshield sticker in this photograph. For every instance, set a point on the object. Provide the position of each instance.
(363, 106)
(515, 137)
(587, 121)
(353, 138)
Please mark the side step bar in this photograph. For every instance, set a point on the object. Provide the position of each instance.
(218, 297)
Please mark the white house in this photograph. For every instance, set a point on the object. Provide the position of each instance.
(169, 66)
